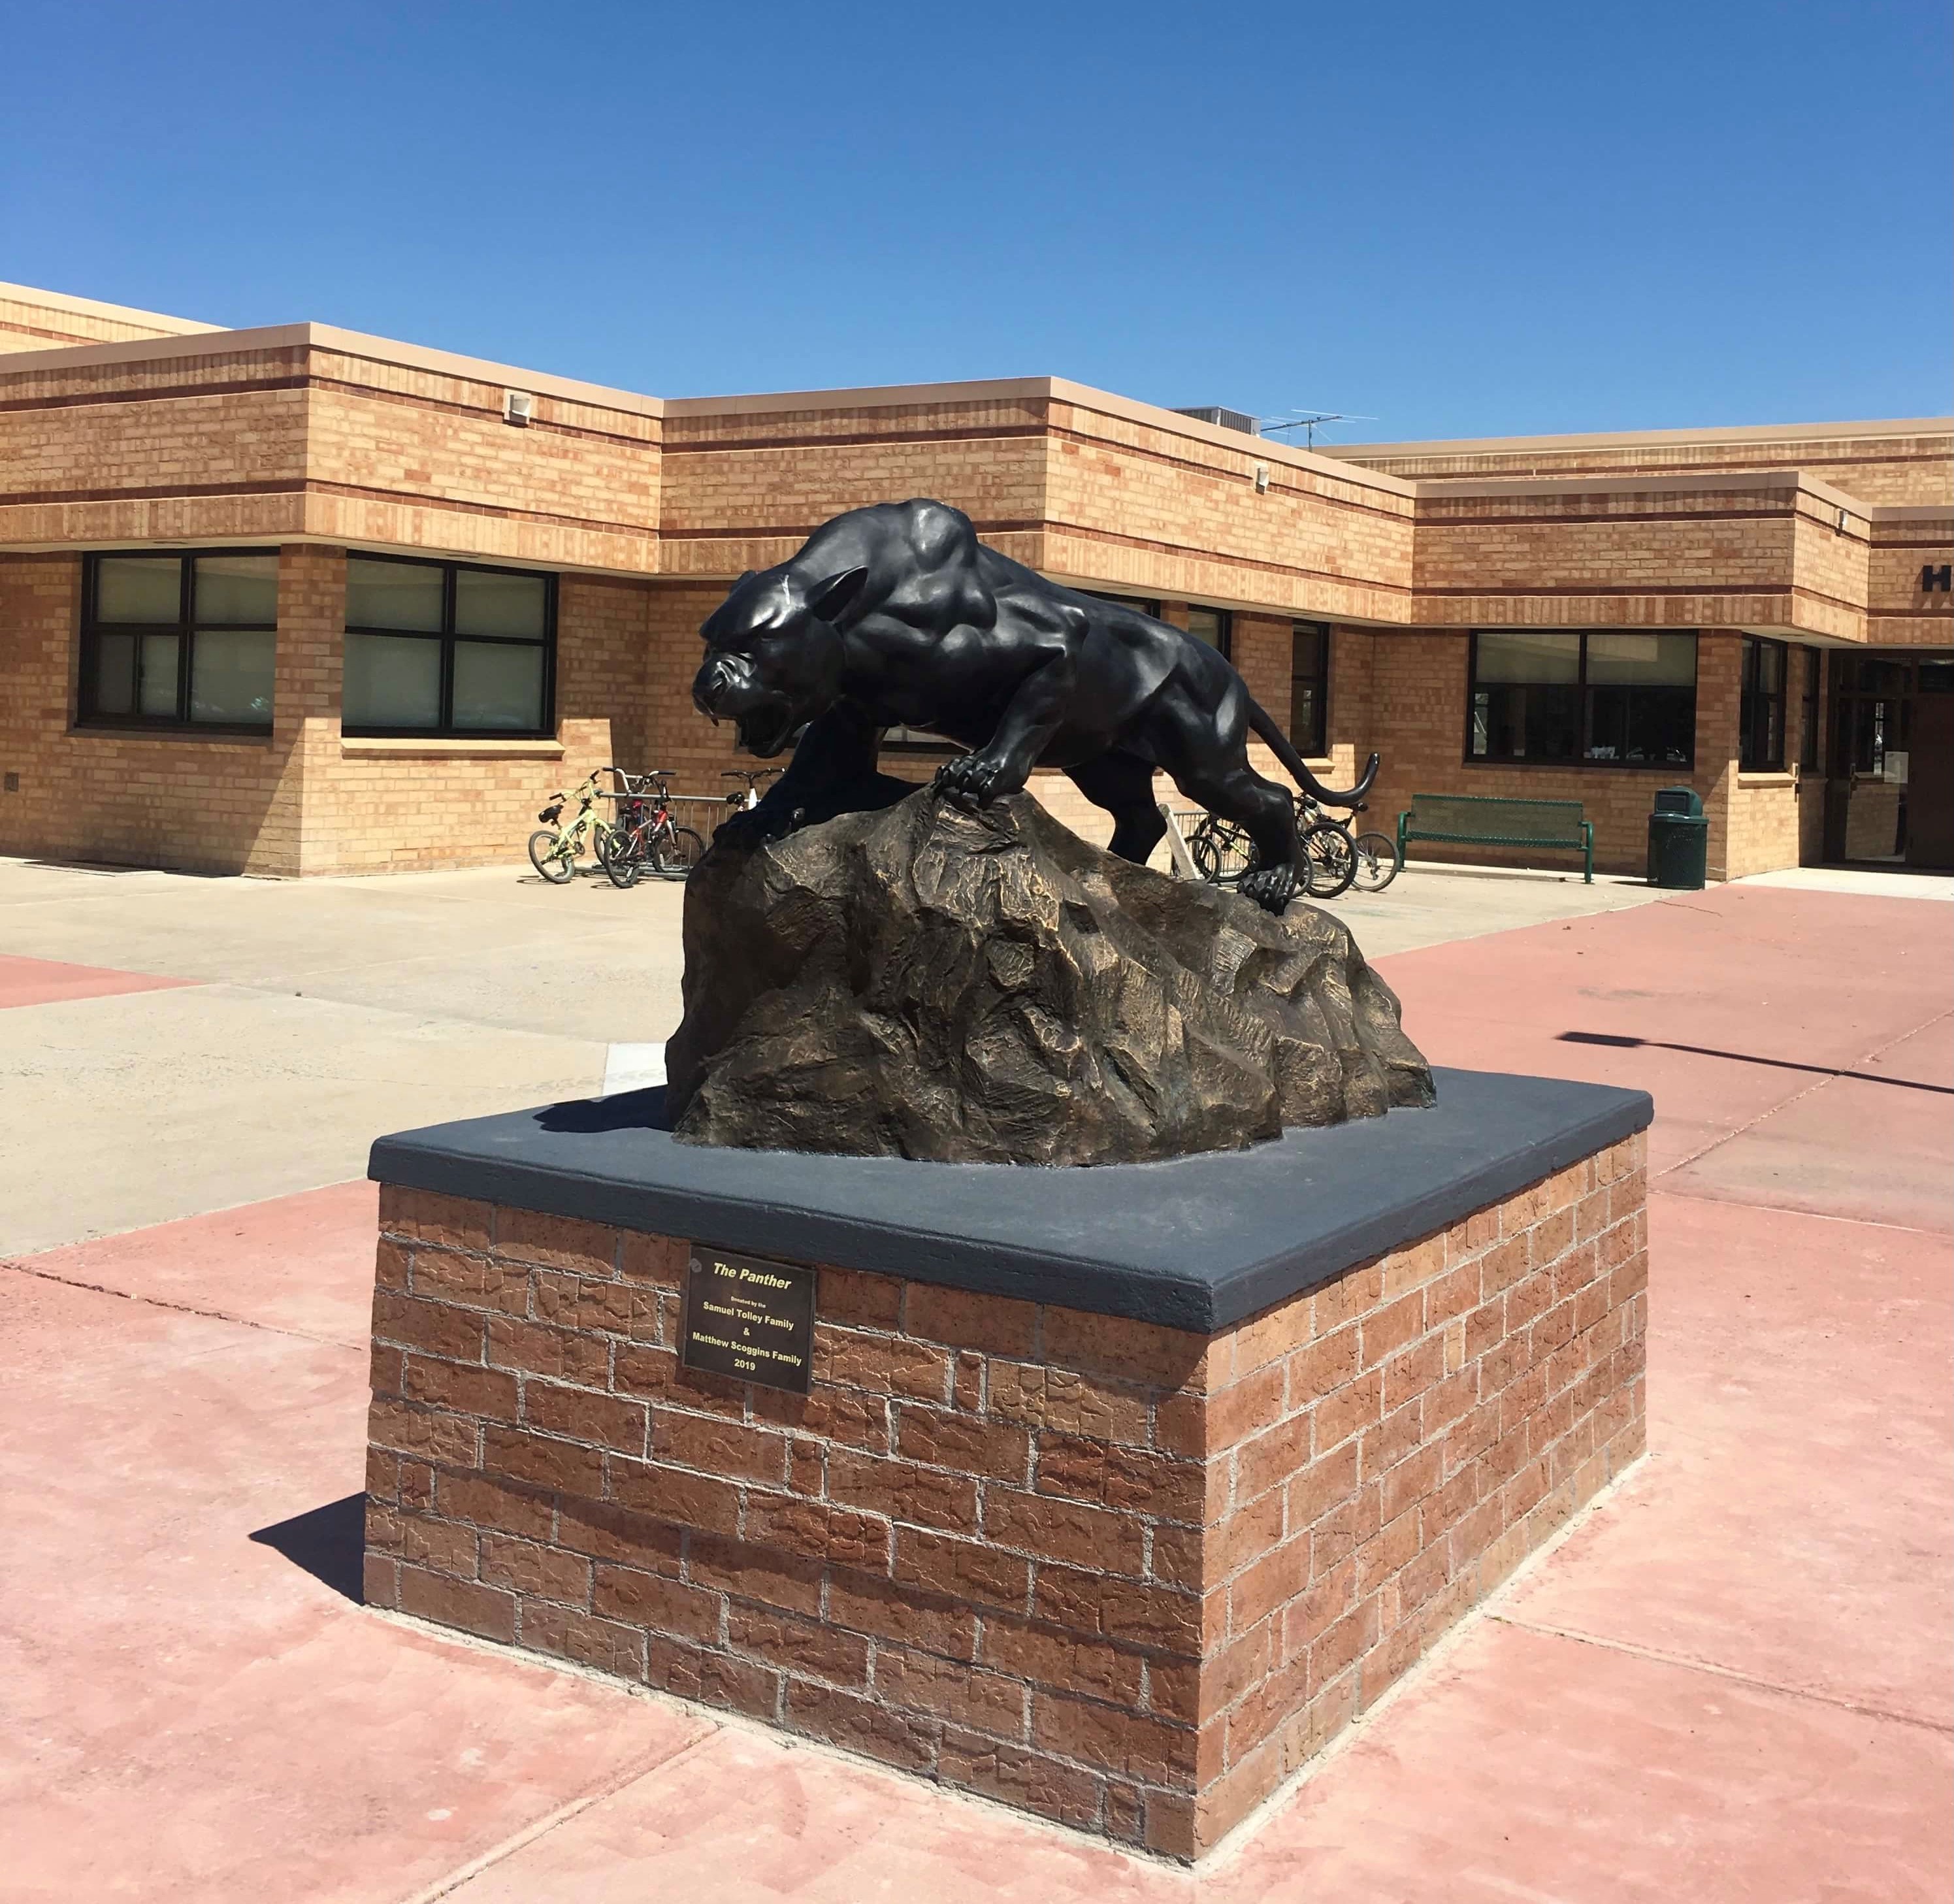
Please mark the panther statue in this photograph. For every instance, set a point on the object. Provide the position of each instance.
(896, 615)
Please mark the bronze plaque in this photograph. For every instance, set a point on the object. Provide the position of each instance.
(749, 1318)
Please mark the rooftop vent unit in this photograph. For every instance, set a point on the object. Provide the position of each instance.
(1223, 419)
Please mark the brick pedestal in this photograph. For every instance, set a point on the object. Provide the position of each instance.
(1128, 1576)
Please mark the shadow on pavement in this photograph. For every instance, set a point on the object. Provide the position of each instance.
(1745, 1058)
(643, 1110)
(328, 1542)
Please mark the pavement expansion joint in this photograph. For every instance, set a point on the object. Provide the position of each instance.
(24, 1268)
(446, 1887)
(1785, 1104)
(1662, 1657)
(1792, 1210)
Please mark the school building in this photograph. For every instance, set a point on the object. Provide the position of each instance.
(297, 601)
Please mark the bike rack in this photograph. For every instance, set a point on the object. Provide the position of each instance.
(1176, 843)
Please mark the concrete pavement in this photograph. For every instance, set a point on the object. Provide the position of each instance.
(1728, 1683)
(246, 1039)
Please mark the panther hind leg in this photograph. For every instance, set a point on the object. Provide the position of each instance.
(1262, 810)
(1123, 785)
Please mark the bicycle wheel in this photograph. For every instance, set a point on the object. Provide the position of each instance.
(548, 855)
(1378, 860)
(1215, 843)
(1329, 860)
(677, 852)
(622, 856)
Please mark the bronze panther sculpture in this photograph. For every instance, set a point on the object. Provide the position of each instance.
(895, 615)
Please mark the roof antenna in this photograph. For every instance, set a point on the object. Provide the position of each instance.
(1307, 421)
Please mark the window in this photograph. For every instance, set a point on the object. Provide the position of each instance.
(1309, 687)
(1144, 604)
(1613, 698)
(180, 641)
(1216, 626)
(440, 647)
(1807, 734)
(1760, 711)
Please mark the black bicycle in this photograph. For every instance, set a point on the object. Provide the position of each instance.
(1370, 860)
(1334, 858)
(1222, 852)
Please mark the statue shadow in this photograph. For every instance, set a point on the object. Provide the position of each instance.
(328, 1542)
(643, 1110)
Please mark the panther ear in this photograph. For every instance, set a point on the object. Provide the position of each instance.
(829, 601)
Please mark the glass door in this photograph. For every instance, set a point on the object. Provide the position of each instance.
(1888, 769)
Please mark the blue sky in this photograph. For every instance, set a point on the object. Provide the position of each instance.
(1463, 220)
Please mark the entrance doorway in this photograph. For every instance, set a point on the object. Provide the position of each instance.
(1889, 769)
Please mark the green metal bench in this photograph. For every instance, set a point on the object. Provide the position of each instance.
(1473, 819)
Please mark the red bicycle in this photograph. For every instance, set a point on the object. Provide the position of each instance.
(644, 838)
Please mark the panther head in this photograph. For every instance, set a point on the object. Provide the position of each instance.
(774, 660)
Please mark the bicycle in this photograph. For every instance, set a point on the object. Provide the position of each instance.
(554, 850)
(755, 777)
(643, 837)
(1373, 859)
(1221, 852)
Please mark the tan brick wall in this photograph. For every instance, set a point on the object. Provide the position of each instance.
(32, 320)
(743, 489)
(1613, 559)
(1900, 613)
(1417, 723)
(1158, 510)
(305, 801)
(312, 436)
(1127, 1577)
(400, 456)
(1878, 468)
(296, 440)
(401, 805)
(208, 447)
(203, 803)
(1829, 571)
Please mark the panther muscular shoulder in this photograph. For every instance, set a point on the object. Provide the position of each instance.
(896, 614)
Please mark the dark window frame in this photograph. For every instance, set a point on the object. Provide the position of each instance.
(88, 673)
(1146, 605)
(1760, 711)
(448, 636)
(1224, 618)
(1315, 745)
(1578, 760)
(1809, 712)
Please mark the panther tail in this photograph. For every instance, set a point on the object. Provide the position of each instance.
(1264, 723)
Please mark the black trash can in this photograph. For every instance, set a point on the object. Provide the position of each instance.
(1678, 839)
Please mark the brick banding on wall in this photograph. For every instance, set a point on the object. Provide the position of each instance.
(1121, 1575)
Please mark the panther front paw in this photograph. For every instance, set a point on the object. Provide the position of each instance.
(1271, 887)
(970, 781)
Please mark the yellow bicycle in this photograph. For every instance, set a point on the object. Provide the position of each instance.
(555, 850)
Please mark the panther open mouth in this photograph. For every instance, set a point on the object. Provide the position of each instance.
(764, 731)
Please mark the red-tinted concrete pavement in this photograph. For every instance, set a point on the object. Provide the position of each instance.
(1730, 1682)
(47, 981)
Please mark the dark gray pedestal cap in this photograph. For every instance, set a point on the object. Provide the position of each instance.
(1195, 1243)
